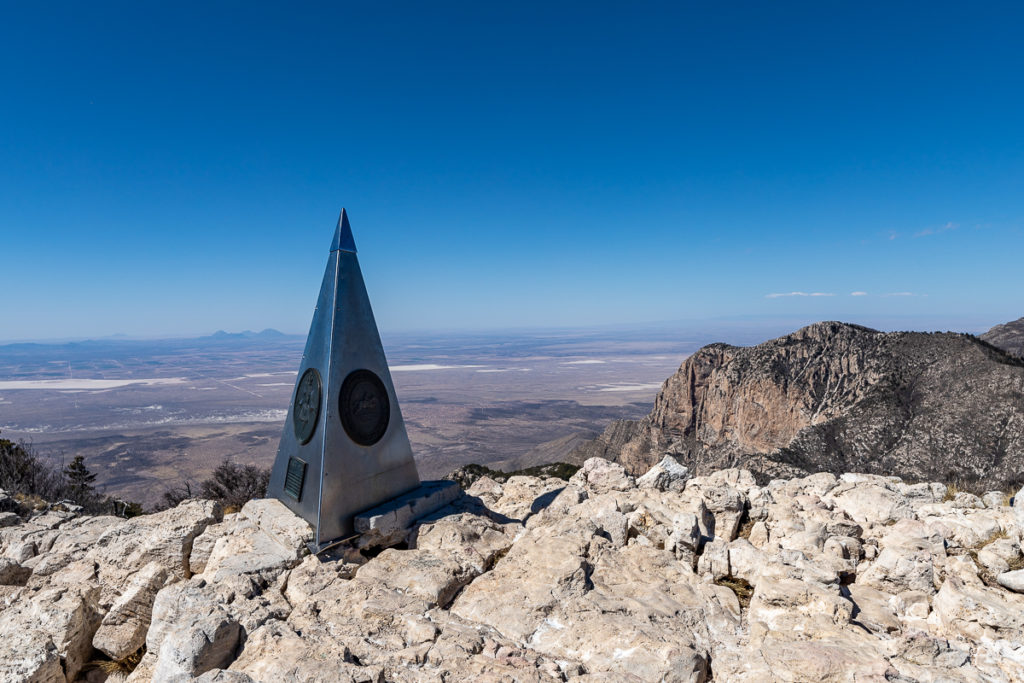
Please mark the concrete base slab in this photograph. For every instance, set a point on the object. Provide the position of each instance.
(388, 523)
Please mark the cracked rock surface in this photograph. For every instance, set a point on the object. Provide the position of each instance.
(664, 577)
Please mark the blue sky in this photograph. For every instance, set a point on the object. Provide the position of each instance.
(177, 168)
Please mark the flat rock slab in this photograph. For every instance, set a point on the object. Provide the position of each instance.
(1012, 580)
(388, 522)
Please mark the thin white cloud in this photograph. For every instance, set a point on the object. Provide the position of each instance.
(935, 231)
(858, 293)
(782, 294)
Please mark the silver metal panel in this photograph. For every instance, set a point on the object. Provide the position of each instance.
(342, 477)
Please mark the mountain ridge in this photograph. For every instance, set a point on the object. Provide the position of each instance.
(1009, 337)
(837, 397)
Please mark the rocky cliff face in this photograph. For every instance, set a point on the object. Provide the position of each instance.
(837, 398)
(606, 578)
(1008, 337)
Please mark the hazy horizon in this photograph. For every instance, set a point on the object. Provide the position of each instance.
(745, 325)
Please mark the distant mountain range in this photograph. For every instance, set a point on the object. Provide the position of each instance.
(841, 398)
(267, 334)
(1008, 337)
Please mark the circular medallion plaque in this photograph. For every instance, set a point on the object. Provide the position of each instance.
(306, 411)
(364, 407)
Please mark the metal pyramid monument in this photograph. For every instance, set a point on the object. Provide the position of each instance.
(344, 448)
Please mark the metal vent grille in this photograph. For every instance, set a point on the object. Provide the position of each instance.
(294, 478)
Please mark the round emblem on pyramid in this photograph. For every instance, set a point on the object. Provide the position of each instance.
(306, 410)
(364, 407)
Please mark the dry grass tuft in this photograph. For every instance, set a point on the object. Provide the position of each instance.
(951, 491)
(122, 667)
(743, 590)
(745, 528)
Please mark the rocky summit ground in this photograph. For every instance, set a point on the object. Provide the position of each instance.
(604, 578)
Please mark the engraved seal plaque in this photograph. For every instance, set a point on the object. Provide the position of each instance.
(364, 407)
(306, 411)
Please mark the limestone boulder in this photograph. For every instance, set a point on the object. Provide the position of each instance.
(965, 500)
(265, 540)
(898, 569)
(370, 619)
(275, 652)
(738, 478)
(658, 515)
(645, 615)
(285, 527)
(785, 604)
(486, 489)
(909, 553)
(77, 535)
(570, 593)
(726, 505)
(245, 599)
(314, 575)
(714, 561)
(224, 676)
(246, 549)
(540, 571)
(1000, 660)
(477, 541)
(918, 656)
(202, 546)
(1013, 581)
(965, 527)
(816, 484)
(667, 475)
(684, 538)
(998, 556)
(30, 656)
(197, 644)
(164, 538)
(966, 608)
(759, 535)
(745, 560)
(995, 499)
(143, 672)
(870, 499)
(12, 573)
(524, 497)
(123, 629)
(598, 476)
(831, 657)
(68, 615)
(433, 575)
(912, 609)
(923, 493)
(873, 609)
